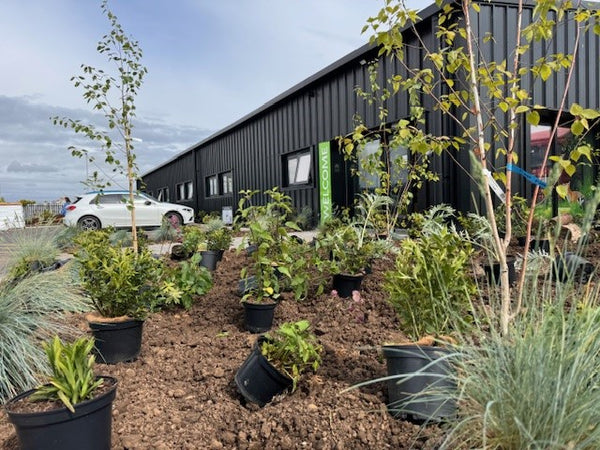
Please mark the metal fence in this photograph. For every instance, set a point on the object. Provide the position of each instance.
(41, 210)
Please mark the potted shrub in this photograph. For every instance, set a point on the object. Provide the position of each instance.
(278, 361)
(74, 410)
(121, 287)
(262, 296)
(430, 289)
(193, 236)
(353, 244)
(217, 239)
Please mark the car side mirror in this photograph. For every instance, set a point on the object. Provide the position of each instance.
(147, 203)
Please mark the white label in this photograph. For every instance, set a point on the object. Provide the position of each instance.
(495, 186)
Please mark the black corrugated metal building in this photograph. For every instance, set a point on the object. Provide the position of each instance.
(297, 130)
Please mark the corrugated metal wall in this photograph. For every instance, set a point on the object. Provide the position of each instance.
(253, 149)
(177, 171)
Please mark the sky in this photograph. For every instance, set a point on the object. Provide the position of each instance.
(210, 62)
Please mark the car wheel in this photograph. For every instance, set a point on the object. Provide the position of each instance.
(89, 223)
(174, 218)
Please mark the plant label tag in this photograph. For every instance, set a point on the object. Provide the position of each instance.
(495, 186)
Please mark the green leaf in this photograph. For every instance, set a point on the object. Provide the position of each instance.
(533, 118)
(577, 128)
(545, 72)
(562, 190)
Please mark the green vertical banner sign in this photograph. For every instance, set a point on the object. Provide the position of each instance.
(325, 201)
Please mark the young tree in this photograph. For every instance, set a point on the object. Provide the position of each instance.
(488, 100)
(113, 94)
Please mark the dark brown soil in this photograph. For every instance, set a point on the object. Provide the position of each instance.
(180, 393)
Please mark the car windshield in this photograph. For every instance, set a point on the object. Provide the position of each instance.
(143, 194)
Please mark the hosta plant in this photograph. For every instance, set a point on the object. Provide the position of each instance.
(72, 380)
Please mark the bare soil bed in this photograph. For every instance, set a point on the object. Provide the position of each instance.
(180, 393)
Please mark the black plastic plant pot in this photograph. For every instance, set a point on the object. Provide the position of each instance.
(220, 254)
(572, 266)
(345, 284)
(178, 252)
(89, 427)
(117, 342)
(209, 259)
(493, 272)
(258, 317)
(424, 392)
(257, 380)
(537, 245)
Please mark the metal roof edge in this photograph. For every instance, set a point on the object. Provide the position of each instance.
(327, 70)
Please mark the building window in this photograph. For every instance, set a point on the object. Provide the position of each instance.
(212, 186)
(298, 167)
(185, 191)
(163, 194)
(226, 183)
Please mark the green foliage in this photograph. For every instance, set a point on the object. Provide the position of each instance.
(193, 236)
(293, 349)
(430, 287)
(180, 284)
(304, 218)
(351, 243)
(31, 309)
(31, 249)
(167, 232)
(218, 236)
(119, 281)
(305, 271)
(24, 202)
(520, 215)
(72, 380)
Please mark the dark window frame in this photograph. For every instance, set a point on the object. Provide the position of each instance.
(297, 156)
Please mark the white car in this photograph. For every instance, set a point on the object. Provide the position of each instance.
(96, 210)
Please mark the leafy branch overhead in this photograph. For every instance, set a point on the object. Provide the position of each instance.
(485, 101)
(113, 94)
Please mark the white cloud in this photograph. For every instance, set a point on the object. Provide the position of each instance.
(210, 63)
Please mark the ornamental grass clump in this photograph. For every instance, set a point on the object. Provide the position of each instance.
(536, 387)
(31, 309)
(30, 249)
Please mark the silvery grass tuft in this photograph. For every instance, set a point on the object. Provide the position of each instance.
(29, 246)
(30, 311)
(538, 386)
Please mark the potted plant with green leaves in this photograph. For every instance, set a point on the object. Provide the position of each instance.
(430, 289)
(278, 361)
(353, 244)
(121, 284)
(74, 410)
(217, 239)
(261, 297)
